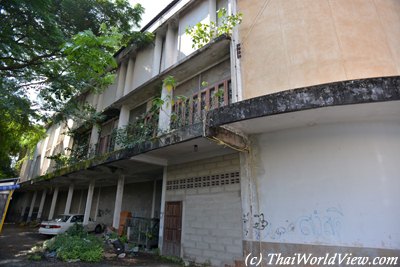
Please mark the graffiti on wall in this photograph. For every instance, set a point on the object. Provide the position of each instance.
(259, 223)
(317, 224)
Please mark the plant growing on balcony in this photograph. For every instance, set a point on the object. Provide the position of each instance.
(144, 129)
(169, 83)
(203, 33)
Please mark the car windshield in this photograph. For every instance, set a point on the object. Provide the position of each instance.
(62, 218)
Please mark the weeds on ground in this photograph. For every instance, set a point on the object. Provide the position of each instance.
(76, 244)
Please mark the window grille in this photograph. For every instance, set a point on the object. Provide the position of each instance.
(204, 181)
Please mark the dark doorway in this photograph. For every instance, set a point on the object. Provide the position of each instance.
(172, 228)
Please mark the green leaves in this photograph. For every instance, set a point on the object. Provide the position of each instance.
(57, 48)
(76, 245)
(203, 33)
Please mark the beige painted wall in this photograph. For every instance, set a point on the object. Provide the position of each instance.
(296, 43)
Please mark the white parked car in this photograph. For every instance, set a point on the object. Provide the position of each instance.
(63, 222)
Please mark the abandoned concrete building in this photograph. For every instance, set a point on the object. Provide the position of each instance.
(287, 139)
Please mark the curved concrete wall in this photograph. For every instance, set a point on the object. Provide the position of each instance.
(290, 44)
(329, 185)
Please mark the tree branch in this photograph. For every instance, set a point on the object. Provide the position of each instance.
(33, 61)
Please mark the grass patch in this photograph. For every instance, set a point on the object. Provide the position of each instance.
(76, 244)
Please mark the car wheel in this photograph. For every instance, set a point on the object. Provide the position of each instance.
(98, 229)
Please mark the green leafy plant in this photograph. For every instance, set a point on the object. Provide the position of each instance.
(203, 33)
(169, 83)
(76, 244)
(123, 239)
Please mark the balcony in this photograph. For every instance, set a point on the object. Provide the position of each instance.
(191, 110)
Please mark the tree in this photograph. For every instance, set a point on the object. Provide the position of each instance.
(59, 48)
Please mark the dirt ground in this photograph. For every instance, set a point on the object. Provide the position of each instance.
(16, 241)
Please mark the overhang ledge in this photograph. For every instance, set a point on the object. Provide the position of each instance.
(350, 92)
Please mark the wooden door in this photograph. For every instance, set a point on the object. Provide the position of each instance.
(172, 228)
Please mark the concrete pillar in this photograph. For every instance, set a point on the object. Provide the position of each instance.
(80, 201)
(123, 116)
(170, 48)
(53, 203)
(170, 56)
(236, 73)
(67, 138)
(249, 196)
(164, 118)
(123, 121)
(56, 134)
(99, 105)
(97, 204)
(157, 54)
(94, 139)
(43, 153)
(162, 209)
(89, 199)
(121, 80)
(118, 201)
(212, 10)
(69, 199)
(24, 205)
(153, 201)
(129, 76)
(32, 206)
(33, 164)
(41, 205)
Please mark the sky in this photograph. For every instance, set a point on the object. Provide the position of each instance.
(151, 8)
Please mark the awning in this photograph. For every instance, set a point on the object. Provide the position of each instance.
(9, 187)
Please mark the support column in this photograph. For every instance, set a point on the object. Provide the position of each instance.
(99, 105)
(89, 199)
(80, 201)
(236, 73)
(122, 121)
(97, 204)
(153, 203)
(67, 137)
(69, 199)
(123, 116)
(212, 10)
(118, 201)
(94, 139)
(162, 208)
(170, 48)
(165, 113)
(41, 205)
(53, 203)
(121, 80)
(164, 119)
(32, 206)
(249, 196)
(129, 76)
(157, 54)
(26, 200)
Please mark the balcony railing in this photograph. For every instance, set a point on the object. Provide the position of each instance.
(187, 111)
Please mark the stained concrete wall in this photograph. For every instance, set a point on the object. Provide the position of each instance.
(109, 96)
(211, 224)
(290, 44)
(334, 185)
(138, 199)
(143, 66)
